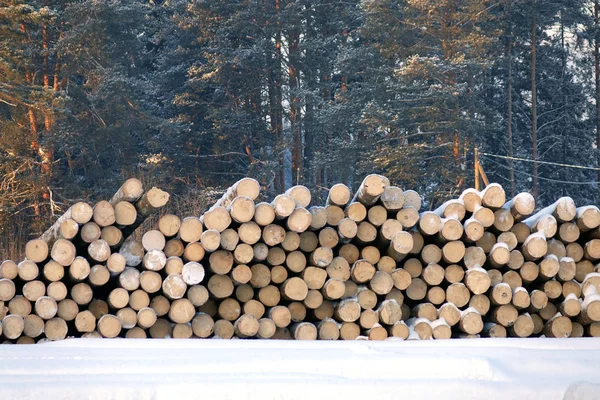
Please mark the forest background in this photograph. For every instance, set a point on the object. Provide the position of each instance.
(193, 95)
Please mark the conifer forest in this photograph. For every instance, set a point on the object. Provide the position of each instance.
(193, 95)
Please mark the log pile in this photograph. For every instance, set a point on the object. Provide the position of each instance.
(372, 265)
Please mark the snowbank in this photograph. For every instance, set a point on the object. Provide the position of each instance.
(250, 369)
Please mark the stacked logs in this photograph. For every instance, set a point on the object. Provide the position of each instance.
(57, 290)
(369, 266)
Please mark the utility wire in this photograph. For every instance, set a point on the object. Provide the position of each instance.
(540, 177)
(540, 162)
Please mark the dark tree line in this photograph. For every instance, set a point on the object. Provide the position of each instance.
(203, 92)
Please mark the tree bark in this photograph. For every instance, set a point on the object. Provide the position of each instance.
(534, 153)
(509, 96)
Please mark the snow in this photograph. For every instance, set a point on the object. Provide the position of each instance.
(252, 369)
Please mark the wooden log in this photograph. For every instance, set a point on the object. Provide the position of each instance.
(33, 326)
(347, 310)
(436, 295)
(335, 214)
(261, 276)
(431, 253)
(7, 289)
(283, 205)
(362, 271)
(133, 251)
(250, 233)
(264, 214)
(294, 289)
(246, 187)
(386, 264)
(368, 319)
(574, 251)
(453, 252)
(417, 290)
(481, 303)
(63, 252)
(85, 321)
(392, 198)
(339, 268)
(477, 280)
(558, 326)
(99, 250)
(421, 327)
(176, 248)
(493, 196)
(104, 214)
(182, 331)
(429, 223)
(474, 257)
(520, 298)
(505, 315)
(433, 274)
(412, 199)
(80, 269)
(470, 321)
(399, 330)
(82, 293)
(98, 308)
(587, 218)
(457, 294)
(224, 329)
(13, 326)
(521, 206)
(57, 290)
(128, 317)
(425, 310)
(309, 241)
(220, 286)
(452, 229)
(67, 310)
(89, 232)
(493, 330)
(9, 270)
(79, 212)
(366, 298)
(400, 245)
(182, 311)
(36, 250)
(450, 313)
(304, 331)
(454, 273)
(246, 326)
(216, 218)
(109, 326)
(371, 188)
(350, 253)
(484, 215)
(535, 246)
(269, 295)
(339, 195)
(241, 209)
(473, 230)
(408, 217)
(503, 220)
(300, 194)
(590, 306)
(314, 277)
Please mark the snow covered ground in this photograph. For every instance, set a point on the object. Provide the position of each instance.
(251, 369)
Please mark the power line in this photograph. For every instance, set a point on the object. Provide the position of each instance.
(540, 162)
(541, 177)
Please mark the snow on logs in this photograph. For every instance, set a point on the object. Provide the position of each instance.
(373, 265)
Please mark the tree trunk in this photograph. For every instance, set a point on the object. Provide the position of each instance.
(509, 95)
(295, 107)
(597, 74)
(534, 153)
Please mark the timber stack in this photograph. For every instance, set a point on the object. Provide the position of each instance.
(369, 266)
